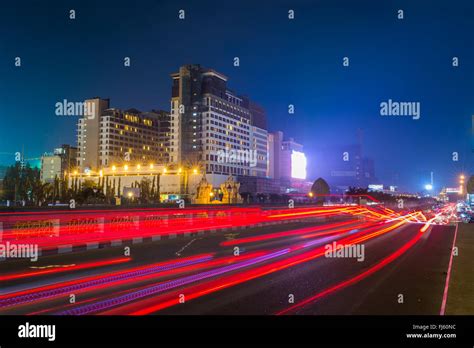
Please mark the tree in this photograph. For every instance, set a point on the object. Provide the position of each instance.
(319, 189)
(145, 190)
(90, 192)
(18, 181)
(470, 185)
(41, 192)
(357, 191)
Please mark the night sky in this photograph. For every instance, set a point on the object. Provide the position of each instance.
(282, 62)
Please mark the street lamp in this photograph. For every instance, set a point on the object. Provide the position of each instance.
(428, 187)
(461, 184)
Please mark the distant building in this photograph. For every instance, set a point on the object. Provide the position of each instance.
(51, 167)
(56, 164)
(68, 156)
(254, 185)
(275, 141)
(292, 160)
(286, 158)
(344, 166)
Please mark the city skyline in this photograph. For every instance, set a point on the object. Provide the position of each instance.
(329, 107)
(171, 167)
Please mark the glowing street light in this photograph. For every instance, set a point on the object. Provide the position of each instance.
(461, 184)
(311, 194)
(428, 187)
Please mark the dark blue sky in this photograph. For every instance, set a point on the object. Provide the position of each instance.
(282, 62)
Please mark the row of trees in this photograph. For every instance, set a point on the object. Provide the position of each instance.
(23, 186)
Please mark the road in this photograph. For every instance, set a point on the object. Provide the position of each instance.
(398, 265)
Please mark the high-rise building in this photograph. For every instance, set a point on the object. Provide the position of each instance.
(215, 128)
(115, 136)
(88, 129)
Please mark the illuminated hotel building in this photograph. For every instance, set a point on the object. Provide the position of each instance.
(213, 127)
(115, 137)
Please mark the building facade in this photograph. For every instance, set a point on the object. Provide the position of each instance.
(114, 137)
(57, 164)
(215, 128)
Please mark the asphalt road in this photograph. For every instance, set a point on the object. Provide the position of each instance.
(277, 274)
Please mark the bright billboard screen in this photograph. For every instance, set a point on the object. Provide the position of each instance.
(298, 165)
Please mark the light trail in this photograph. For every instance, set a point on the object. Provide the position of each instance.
(384, 262)
(64, 268)
(251, 274)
